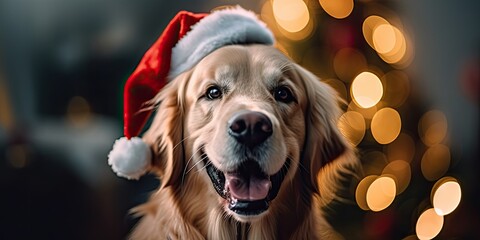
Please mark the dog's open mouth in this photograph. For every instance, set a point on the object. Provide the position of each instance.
(248, 189)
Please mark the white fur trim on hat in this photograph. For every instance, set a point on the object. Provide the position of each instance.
(220, 28)
(130, 158)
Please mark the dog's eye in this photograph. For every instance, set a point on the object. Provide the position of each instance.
(213, 92)
(283, 94)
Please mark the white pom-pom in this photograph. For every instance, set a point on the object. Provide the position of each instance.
(130, 158)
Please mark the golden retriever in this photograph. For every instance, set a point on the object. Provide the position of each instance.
(247, 147)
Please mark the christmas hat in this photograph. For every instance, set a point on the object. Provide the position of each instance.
(186, 40)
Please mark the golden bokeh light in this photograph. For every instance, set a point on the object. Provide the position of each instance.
(400, 170)
(268, 16)
(366, 89)
(388, 41)
(383, 38)
(429, 224)
(348, 63)
(435, 162)
(396, 88)
(386, 125)
(369, 25)
(352, 126)
(403, 148)
(446, 195)
(338, 9)
(433, 127)
(361, 191)
(399, 49)
(381, 193)
(291, 15)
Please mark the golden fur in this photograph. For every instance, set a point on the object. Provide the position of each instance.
(186, 205)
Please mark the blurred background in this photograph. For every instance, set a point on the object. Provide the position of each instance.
(408, 70)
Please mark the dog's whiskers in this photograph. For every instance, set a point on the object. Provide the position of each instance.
(200, 160)
(185, 170)
(180, 142)
(206, 165)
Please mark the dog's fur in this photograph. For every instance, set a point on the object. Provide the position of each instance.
(186, 206)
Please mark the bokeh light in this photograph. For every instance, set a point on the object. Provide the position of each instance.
(352, 126)
(398, 52)
(348, 63)
(433, 127)
(386, 125)
(435, 162)
(429, 224)
(291, 15)
(403, 148)
(387, 40)
(366, 89)
(303, 33)
(381, 193)
(400, 170)
(383, 38)
(361, 191)
(369, 25)
(446, 195)
(338, 8)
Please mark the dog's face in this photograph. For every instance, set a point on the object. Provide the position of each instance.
(246, 118)
(249, 122)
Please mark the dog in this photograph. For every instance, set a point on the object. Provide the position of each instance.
(246, 146)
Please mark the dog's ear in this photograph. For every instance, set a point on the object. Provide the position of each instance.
(323, 142)
(165, 133)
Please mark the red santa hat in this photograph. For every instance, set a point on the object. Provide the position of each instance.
(187, 39)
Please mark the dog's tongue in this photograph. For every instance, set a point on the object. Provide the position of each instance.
(247, 188)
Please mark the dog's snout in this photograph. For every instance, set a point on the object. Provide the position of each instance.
(250, 128)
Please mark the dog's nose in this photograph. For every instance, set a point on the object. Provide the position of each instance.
(250, 128)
